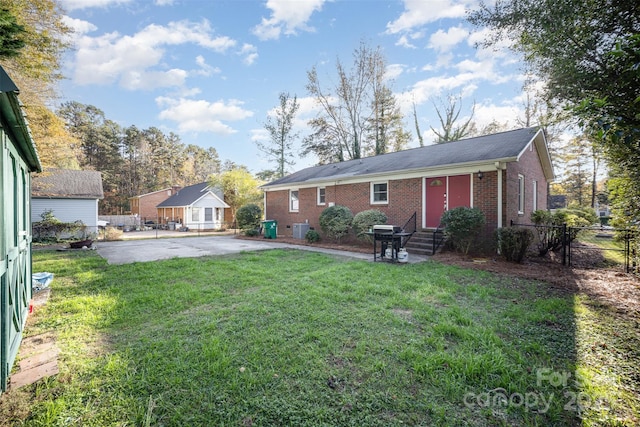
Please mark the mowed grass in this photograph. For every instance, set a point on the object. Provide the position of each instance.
(612, 249)
(294, 338)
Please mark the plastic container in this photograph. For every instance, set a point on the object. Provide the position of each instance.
(40, 281)
(270, 227)
(388, 253)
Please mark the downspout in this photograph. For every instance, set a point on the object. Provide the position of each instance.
(264, 203)
(499, 168)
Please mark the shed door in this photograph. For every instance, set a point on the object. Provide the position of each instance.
(15, 281)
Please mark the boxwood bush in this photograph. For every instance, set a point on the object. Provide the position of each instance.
(462, 227)
(513, 242)
(362, 222)
(312, 236)
(248, 217)
(335, 221)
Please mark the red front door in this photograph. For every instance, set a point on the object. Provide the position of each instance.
(436, 199)
(444, 193)
(459, 191)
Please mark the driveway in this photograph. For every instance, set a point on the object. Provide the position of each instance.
(152, 249)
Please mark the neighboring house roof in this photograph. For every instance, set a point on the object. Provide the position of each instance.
(17, 128)
(557, 201)
(500, 147)
(67, 184)
(176, 188)
(187, 196)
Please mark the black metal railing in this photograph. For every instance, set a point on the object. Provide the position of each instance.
(409, 227)
(437, 241)
(562, 237)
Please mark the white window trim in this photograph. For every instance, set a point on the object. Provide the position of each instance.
(535, 196)
(520, 194)
(371, 193)
(318, 196)
(291, 200)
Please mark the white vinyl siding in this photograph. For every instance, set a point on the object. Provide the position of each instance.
(67, 210)
(205, 214)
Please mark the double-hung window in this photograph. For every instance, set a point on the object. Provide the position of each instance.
(208, 214)
(294, 201)
(520, 194)
(379, 193)
(321, 196)
(195, 214)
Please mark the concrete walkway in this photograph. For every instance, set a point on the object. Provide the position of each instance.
(145, 247)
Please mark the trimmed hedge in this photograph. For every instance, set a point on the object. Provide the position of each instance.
(513, 242)
(335, 221)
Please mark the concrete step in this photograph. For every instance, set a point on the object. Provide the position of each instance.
(421, 243)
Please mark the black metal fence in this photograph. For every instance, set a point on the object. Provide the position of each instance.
(588, 246)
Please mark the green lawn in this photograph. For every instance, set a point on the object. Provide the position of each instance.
(297, 338)
(611, 249)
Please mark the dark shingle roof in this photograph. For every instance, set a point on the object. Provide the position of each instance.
(15, 123)
(67, 184)
(504, 145)
(189, 195)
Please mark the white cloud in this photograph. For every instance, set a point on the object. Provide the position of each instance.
(259, 135)
(286, 17)
(444, 60)
(308, 107)
(147, 80)
(486, 113)
(181, 32)
(164, 2)
(205, 69)
(444, 41)
(115, 58)
(78, 26)
(424, 90)
(87, 4)
(501, 49)
(393, 71)
(201, 115)
(403, 41)
(249, 52)
(419, 12)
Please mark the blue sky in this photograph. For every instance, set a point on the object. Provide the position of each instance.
(211, 70)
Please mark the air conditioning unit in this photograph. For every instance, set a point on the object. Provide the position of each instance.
(300, 230)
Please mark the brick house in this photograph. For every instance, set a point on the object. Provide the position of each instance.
(144, 205)
(504, 174)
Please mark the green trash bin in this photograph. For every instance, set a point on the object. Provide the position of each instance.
(270, 227)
